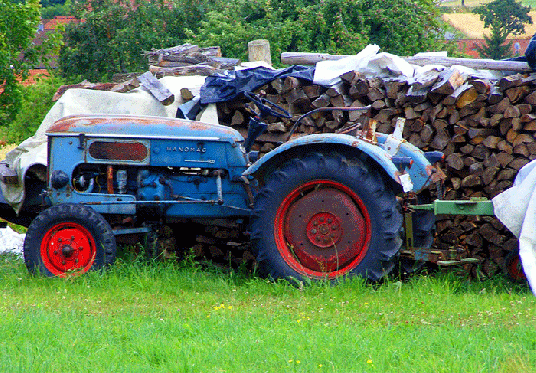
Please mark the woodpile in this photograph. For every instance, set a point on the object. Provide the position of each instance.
(181, 60)
(485, 129)
(221, 242)
(188, 59)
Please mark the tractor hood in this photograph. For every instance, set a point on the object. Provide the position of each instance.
(141, 127)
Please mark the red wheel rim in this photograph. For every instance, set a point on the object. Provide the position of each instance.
(322, 229)
(515, 269)
(68, 248)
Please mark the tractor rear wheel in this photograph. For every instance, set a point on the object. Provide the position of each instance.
(68, 239)
(514, 269)
(323, 216)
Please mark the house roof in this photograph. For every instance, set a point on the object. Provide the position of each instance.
(50, 24)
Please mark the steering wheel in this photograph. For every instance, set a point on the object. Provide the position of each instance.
(267, 107)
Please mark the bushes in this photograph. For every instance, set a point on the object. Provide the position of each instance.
(35, 102)
(113, 37)
(333, 26)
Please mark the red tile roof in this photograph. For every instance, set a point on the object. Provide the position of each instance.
(50, 24)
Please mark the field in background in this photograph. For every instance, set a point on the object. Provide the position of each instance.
(471, 25)
(143, 317)
(472, 3)
(6, 149)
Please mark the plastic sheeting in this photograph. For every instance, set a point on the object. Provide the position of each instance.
(11, 241)
(516, 209)
(228, 86)
(373, 63)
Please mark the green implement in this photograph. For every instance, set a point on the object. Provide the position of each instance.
(473, 206)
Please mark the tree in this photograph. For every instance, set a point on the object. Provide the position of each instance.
(333, 26)
(18, 54)
(503, 18)
(403, 27)
(115, 33)
(18, 25)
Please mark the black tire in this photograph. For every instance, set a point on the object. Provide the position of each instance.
(323, 216)
(68, 239)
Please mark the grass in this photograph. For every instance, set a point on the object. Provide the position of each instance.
(160, 317)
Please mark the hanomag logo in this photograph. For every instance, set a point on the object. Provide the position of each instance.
(187, 149)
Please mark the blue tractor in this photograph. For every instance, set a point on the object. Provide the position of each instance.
(318, 206)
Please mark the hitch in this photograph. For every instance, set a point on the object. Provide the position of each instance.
(473, 206)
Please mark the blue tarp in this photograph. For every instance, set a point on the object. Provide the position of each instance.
(226, 87)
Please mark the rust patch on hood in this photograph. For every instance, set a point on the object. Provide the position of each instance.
(76, 123)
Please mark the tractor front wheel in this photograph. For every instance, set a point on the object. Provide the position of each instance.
(68, 239)
(323, 216)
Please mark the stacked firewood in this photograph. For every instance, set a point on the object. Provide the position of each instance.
(222, 242)
(188, 59)
(485, 128)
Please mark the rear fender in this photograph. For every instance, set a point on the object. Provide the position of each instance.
(420, 169)
(375, 152)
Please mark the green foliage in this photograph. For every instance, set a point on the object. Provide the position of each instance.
(507, 16)
(115, 34)
(502, 17)
(232, 25)
(18, 23)
(403, 27)
(496, 47)
(113, 37)
(333, 26)
(47, 3)
(55, 10)
(35, 102)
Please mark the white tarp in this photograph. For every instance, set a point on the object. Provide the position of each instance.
(11, 241)
(516, 209)
(373, 63)
(83, 101)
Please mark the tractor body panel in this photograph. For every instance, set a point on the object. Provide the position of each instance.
(119, 164)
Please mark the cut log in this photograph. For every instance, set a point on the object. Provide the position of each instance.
(156, 88)
(448, 82)
(185, 70)
(303, 58)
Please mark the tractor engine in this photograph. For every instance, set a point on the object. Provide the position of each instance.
(126, 165)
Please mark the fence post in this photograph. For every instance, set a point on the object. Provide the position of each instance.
(259, 50)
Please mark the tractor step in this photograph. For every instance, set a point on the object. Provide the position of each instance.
(447, 263)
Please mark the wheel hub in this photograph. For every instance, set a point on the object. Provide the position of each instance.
(325, 226)
(324, 230)
(67, 251)
(67, 247)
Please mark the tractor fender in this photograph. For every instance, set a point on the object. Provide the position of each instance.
(375, 152)
(420, 169)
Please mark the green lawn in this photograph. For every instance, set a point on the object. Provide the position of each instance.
(147, 317)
